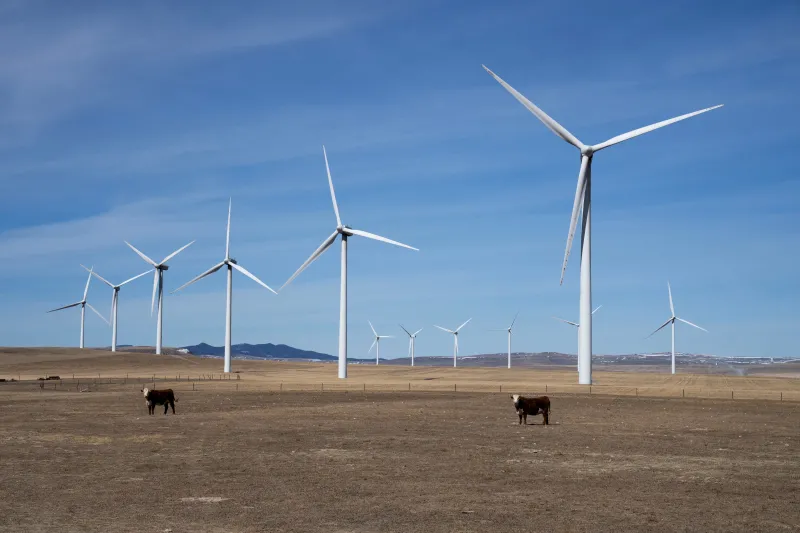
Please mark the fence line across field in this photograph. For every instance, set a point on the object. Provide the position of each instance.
(233, 382)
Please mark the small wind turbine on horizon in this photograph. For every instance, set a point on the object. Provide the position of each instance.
(83, 303)
(158, 287)
(377, 343)
(412, 342)
(508, 329)
(672, 320)
(114, 301)
(345, 232)
(579, 331)
(583, 198)
(232, 264)
(455, 339)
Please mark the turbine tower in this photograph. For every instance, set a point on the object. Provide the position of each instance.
(83, 303)
(158, 287)
(672, 320)
(508, 329)
(231, 264)
(412, 342)
(583, 199)
(455, 340)
(345, 232)
(114, 302)
(377, 343)
(579, 332)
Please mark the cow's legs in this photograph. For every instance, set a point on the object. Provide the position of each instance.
(172, 404)
(166, 407)
(546, 417)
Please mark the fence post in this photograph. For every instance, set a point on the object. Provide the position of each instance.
(590, 390)
(731, 395)
(192, 386)
(365, 387)
(545, 387)
(501, 388)
(409, 385)
(781, 396)
(237, 386)
(281, 389)
(455, 387)
(683, 393)
(322, 387)
(637, 392)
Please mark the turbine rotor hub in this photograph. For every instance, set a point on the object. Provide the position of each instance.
(588, 151)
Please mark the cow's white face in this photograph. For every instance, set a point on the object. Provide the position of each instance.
(145, 392)
(515, 397)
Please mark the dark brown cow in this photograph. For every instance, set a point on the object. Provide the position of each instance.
(532, 406)
(159, 397)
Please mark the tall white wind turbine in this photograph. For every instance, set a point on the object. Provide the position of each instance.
(455, 339)
(508, 329)
(231, 264)
(83, 303)
(345, 232)
(377, 343)
(412, 342)
(672, 320)
(114, 301)
(583, 199)
(579, 331)
(158, 287)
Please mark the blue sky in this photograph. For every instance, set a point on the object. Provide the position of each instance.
(137, 121)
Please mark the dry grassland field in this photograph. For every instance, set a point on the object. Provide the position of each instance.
(284, 447)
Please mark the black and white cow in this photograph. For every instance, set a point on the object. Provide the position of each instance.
(159, 397)
(532, 406)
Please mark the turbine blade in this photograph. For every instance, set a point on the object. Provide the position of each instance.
(251, 276)
(228, 232)
(318, 252)
(444, 329)
(462, 325)
(98, 313)
(671, 307)
(147, 259)
(576, 209)
(420, 329)
(596, 308)
(551, 124)
(651, 127)
(98, 276)
(201, 276)
(379, 238)
(372, 328)
(155, 288)
(330, 183)
(176, 252)
(695, 325)
(386, 336)
(513, 321)
(568, 322)
(133, 278)
(404, 329)
(88, 280)
(65, 307)
(659, 328)
(372, 345)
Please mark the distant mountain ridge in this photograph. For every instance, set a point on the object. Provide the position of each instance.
(259, 351)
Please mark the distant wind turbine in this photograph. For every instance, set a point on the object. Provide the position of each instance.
(412, 341)
(672, 320)
(158, 287)
(83, 303)
(583, 198)
(455, 339)
(579, 332)
(508, 329)
(114, 301)
(345, 232)
(377, 343)
(232, 264)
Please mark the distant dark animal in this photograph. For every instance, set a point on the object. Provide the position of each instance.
(159, 397)
(532, 406)
(53, 377)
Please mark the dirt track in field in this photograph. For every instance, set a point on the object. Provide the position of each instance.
(439, 462)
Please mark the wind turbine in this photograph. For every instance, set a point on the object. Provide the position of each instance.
(455, 339)
(232, 264)
(158, 287)
(345, 232)
(508, 329)
(579, 332)
(377, 343)
(114, 300)
(672, 320)
(583, 198)
(83, 303)
(412, 342)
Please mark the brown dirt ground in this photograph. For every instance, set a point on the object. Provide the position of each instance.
(254, 460)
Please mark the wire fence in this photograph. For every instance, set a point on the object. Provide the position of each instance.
(234, 383)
